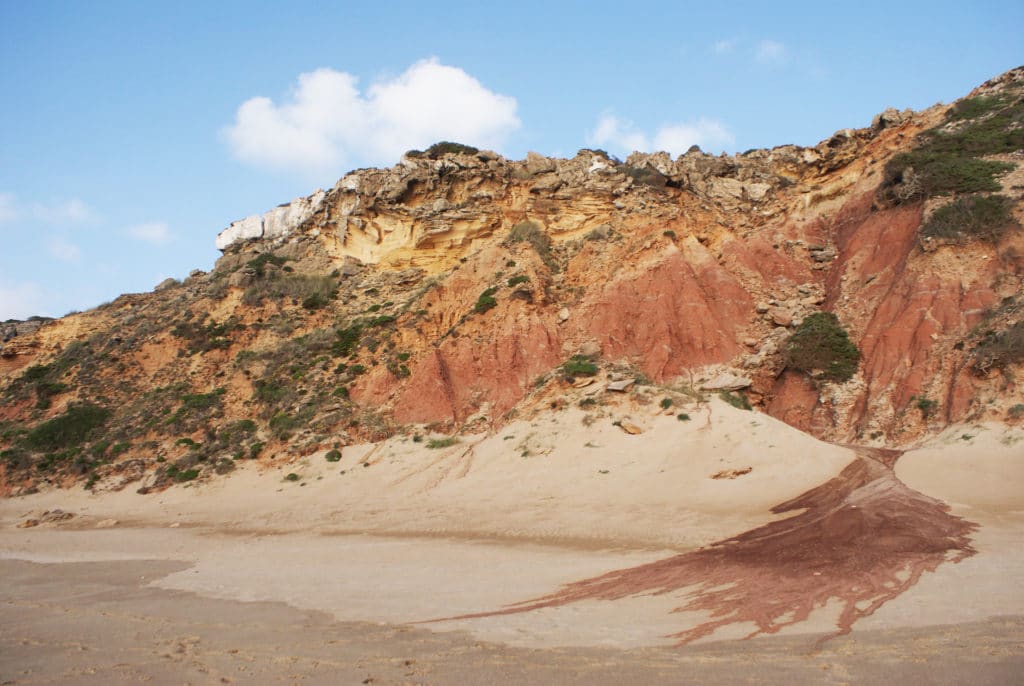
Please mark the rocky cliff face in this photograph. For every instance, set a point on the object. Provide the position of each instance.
(448, 290)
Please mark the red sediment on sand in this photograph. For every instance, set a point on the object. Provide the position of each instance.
(860, 539)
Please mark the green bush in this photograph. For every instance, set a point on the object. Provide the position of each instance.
(925, 406)
(186, 475)
(683, 417)
(516, 280)
(333, 456)
(1016, 411)
(822, 348)
(486, 301)
(666, 403)
(446, 442)
(737, 400)
(443, 148)
(69, 429)
(579, 365)
(985, 217)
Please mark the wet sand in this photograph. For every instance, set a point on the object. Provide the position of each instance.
(102, 623)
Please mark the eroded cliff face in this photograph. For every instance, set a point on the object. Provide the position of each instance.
(448, 290)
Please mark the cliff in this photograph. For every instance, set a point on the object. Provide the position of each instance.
(459, 289)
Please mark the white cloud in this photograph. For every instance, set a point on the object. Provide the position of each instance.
(623, 137)
(157, 233)
(20, 300)
(771, 52)
(328, 123)
(723, 47)
(72, 211)
(8, 208)
(63, 250)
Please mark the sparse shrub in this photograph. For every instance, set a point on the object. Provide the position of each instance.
(737, 400)
(669, 234)
(333, 456)
(69, 429)
(532, 233)
(1000, 348)
(516, 280)
(255, 449)
(985, 217)
(926, 406)
(347, 340)
(446, 442)
(258, 264)
(822, 348)
(270, 391)
(291, 476)
(357, 369)
(645, 176)
(282, 424)
(1016, 411)
(666, 403)
(579, 365)
(381, 320)
(203, 338)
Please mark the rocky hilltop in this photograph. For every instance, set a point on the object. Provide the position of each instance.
(866, 290)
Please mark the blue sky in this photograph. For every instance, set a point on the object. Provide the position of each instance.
(132, 132)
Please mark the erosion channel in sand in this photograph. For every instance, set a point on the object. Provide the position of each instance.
(863, 538)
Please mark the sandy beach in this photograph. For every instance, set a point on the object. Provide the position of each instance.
(545, 552)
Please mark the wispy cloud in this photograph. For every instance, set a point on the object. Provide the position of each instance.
(8, 209)
(622, 136)
(62, 213)
(328, 123)
(72, 211)
(157, 233)
(63, 249)
(724, 47)
(771, 52)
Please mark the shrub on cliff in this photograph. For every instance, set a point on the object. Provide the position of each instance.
(531, 233)
(68, 429)
(985, 217)
(1000, 348)
(948, 160)
(443, 148)
(822, 348)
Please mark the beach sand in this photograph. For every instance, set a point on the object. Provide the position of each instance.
(356, 572)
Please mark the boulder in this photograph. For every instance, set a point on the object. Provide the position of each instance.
(726, 381)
